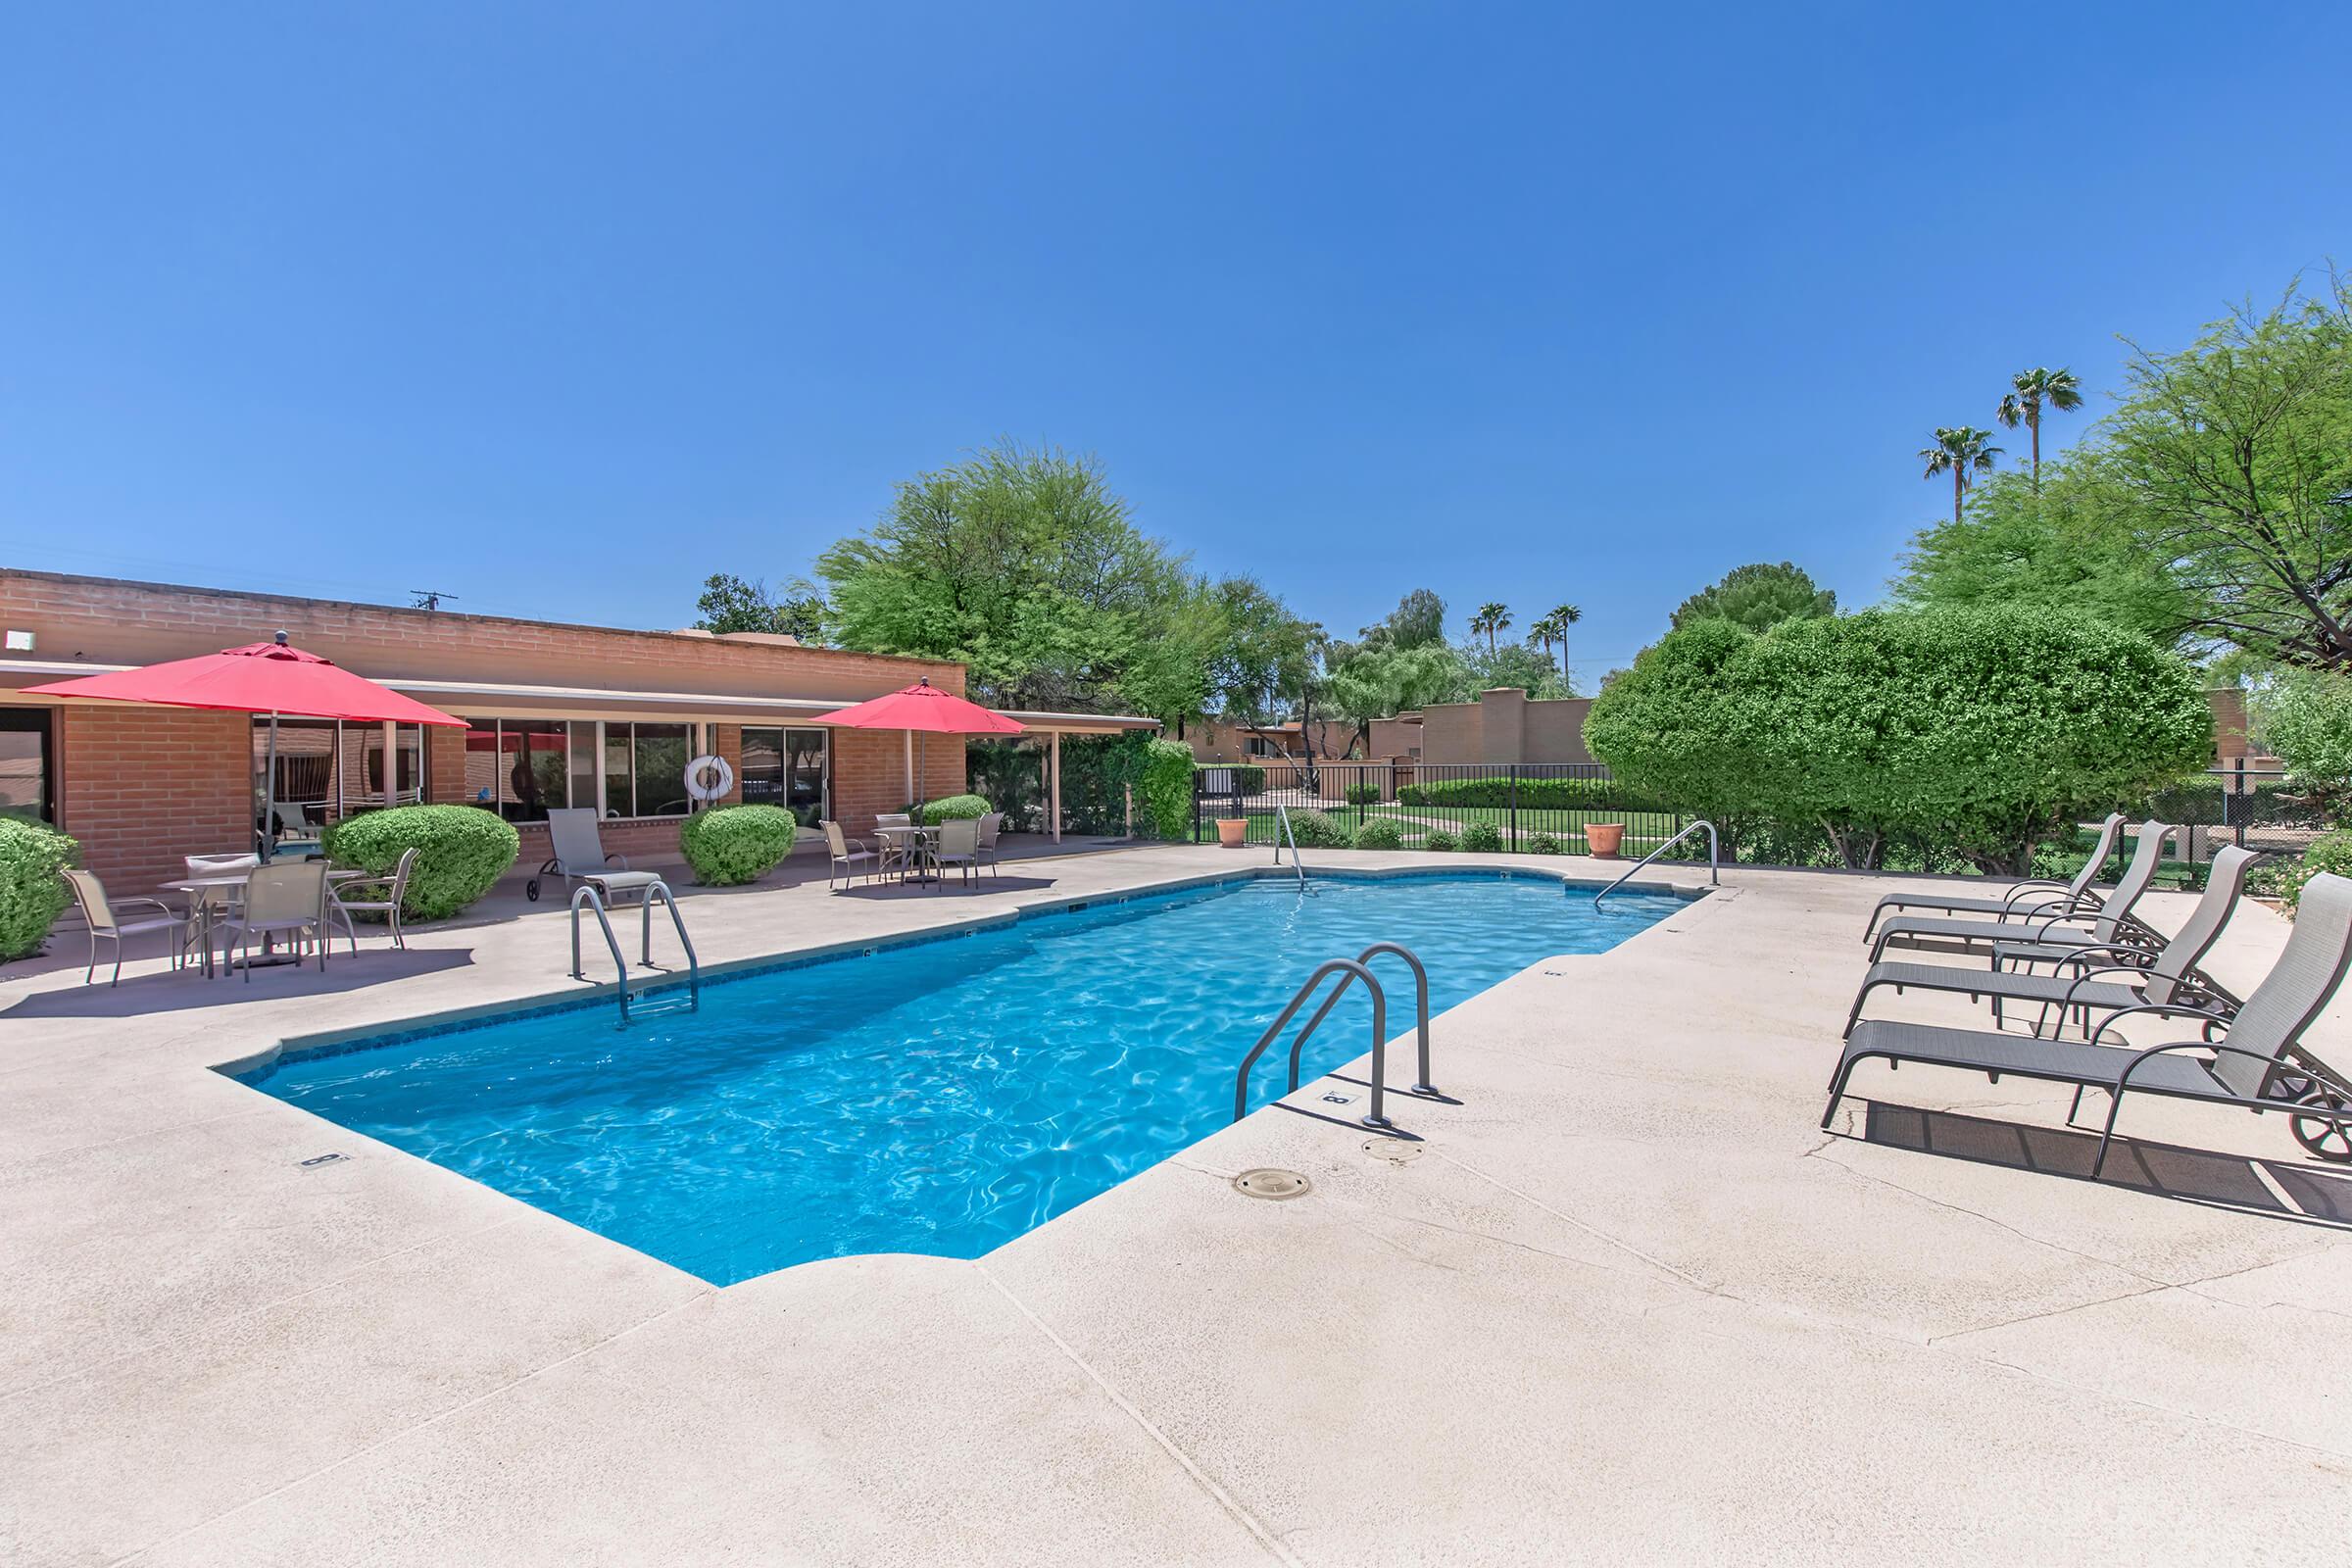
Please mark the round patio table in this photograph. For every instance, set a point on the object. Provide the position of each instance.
(200, 909)
(913, 850)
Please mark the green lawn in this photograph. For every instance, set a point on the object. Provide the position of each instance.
(1643, 830)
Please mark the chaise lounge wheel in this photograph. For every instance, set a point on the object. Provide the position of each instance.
(530, 890)
(2330, 1140)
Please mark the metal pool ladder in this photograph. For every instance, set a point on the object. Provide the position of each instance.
(1349, 970)
(595, 900)
(1714, 859)
(1282, 824)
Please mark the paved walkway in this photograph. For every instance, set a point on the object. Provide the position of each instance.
(1626, 1303)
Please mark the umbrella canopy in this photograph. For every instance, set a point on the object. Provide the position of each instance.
(926, 709)
(257, 678)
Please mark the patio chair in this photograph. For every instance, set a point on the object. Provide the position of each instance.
(991, 826)
(2038, 936)
(287, 901)
(959, 845)
(2039, 895)
(2150, 980)
(379, 894)
(579, 857)
(898, 847)
(105, 919)
(847, 855)
(2259, 1064)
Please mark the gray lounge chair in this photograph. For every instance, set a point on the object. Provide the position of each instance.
(2110, 923)
(2040, 895)
(2259, 1064)
(579, 857)
(2150, 980)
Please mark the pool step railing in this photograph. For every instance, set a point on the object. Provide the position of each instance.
(1350, 971)
(1714, 859)
(1282, 831)
(589, 896)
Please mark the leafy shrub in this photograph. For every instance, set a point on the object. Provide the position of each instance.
(1545, 844)
(2304, 718)
(1364, 795)
(1440, 841)
(2330, 852)
(1482, 838)
(1533, 794)
(1313, 830)
(737, 844)
(1972, 731)
(460, 852)
(1167, 793)
(32, 892)
(1380, 833)
(954, 809)
(1249, 778)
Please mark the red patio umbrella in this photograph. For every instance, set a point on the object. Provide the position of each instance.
(271, 678)
(925, 710)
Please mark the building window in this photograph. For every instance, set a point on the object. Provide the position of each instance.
(662, 755)
(325, 770)
(26, 785)
(786, 767)
(523, 768)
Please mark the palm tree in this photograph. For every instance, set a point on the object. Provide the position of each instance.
(1490, 619)
(2058, 388)
(1562, 618)
(1963, 452)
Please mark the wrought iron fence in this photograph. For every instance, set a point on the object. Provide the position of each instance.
(1525, 806)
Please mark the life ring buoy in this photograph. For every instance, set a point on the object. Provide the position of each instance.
(710, 778)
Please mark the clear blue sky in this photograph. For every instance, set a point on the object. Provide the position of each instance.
(561, 307)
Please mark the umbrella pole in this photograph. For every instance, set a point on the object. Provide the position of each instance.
(270, 795)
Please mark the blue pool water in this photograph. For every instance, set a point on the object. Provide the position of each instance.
(940, 1096)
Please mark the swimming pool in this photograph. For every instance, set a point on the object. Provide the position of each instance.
(940, 1095)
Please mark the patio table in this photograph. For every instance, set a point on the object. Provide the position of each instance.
(199, 908)
(919, 841)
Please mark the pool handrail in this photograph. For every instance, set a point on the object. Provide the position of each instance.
(1714, 859)
(1420, 1009)
(1355, 971)
(1282, 826)
(586, 893)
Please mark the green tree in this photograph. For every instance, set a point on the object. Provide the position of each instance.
(1418, 620)
(2304, 718)
(1963, 451)
(1383, 680)
(1981, 732)
(2237, 456)
(729, 602)
(2074, 544)
(1759, 598)
(2029, 391)
(1491, 620)
(1510, 665)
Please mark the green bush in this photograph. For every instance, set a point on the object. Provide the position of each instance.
(1166, 796)
(1364, 795)
(954, 809)
(737, 844)
(1313, 830)
(2304, 718)
(460, 852)
(1380, 833)
(1482, 838)
(32, 892)
(1533, 794)
(1971, 732)
(2331, 853)
(1440, 840)
(1545, 844)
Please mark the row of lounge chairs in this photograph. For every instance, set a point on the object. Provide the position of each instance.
(2078, 954)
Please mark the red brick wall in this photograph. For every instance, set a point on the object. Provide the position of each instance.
(869, 772)
(143, 787)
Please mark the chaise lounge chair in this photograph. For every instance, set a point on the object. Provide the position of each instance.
(579, 857)
(2151, 980)
(2110, 923)
(2259, 1064)
(2040, 896)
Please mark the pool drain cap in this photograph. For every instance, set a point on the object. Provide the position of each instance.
(1271, 1183)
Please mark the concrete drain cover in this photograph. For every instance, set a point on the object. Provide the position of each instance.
(1274, 1184)
(1394, 1151)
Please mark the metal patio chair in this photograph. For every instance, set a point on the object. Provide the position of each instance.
(2259, 1064)
(846, 855)
(379, 895)
(105, 919)
(2036, 895)
(959, 845)
(992, 827)
(579, 857)
(2057, 930)
(2149, 980)
(283, 901)
(898, 848)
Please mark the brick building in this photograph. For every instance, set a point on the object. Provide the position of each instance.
(559, 715)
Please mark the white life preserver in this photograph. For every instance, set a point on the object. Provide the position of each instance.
(708, 779)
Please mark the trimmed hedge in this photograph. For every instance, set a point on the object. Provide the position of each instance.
(462, 850)
(737, 844)
(32, 892)
(1364, 795)
(1314, 830)
(1380, 833)
(1535, 793)
(1482, 838)
(1440, 840)
(1166, 796)
(954, 809)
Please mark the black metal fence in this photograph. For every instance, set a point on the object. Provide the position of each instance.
(1528, 805)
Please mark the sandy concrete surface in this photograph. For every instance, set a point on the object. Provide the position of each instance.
(1624, 1302)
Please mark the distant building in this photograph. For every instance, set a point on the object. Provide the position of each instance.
(1227, 740)
(1505, 725)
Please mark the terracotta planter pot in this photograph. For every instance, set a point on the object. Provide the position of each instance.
(1605, 839)
(1233, 832)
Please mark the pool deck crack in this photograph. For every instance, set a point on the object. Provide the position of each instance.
(1224, 1499)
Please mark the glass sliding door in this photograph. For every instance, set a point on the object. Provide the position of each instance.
(786, 767)
(25, 787)
(660, 753)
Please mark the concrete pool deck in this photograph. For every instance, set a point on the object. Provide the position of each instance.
(1626, 1301)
